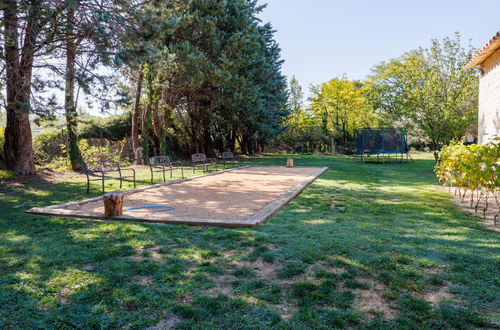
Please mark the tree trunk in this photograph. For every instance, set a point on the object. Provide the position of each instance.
(146, 116)
(232, 141)
(135, 118)
(75, 155)
(113, 204)
(18, 145)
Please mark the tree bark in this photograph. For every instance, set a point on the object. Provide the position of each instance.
(146, 116)
(18, 145)
(75, 155)
(135, 118)
(232, 141)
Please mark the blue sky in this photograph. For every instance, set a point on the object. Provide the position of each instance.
(323, 39)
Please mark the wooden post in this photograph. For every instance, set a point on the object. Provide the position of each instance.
(289, 163)
(113, 204)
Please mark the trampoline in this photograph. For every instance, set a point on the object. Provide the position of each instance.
(385, 143)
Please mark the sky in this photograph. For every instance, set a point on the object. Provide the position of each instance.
(324, 39)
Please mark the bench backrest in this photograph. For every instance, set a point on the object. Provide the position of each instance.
(198, 158)
(101, 166)
(159, 161)
(227, 155)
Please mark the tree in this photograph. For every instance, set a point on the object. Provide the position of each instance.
(296, 97)
(341, 107)
(213, 76)
(89, 35)
(428, 88)
(26, 35)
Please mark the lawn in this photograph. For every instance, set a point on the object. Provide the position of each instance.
(364, 246)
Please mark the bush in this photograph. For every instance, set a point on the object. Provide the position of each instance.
(50, 150)
(49, 146)
(474, 168)
(6, 175)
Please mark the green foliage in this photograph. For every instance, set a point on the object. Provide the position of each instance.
(427, 91)
(114, 128)
(213, 75)
(338, 108)
(92, 152)
(6, 175)
(50, 149)
(474, 169)
(48, 145)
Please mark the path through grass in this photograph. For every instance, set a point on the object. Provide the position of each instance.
(365, 246)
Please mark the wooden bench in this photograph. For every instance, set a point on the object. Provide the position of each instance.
(162, 164)
(228, 158)
(106, 169)
(201, 160)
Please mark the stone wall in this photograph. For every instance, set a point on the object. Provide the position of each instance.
(489, 99)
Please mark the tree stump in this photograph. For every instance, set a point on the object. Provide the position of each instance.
(113, 204)
(289, 163)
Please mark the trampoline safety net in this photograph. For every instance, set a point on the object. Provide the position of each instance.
(380, 141)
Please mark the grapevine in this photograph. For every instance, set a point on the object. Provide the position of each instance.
(474, 170)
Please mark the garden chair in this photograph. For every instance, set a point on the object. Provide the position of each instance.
(201, 160)
(162, 164)
(100, 170)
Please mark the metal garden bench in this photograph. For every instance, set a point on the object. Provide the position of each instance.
(201, 160)
(162, 164)
(106, 169)
(228, 158)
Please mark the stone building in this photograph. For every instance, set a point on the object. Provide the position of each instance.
(488, 60)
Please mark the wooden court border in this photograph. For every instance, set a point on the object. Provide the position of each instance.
(258, 218)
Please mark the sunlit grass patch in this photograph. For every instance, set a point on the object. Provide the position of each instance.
(400, 247)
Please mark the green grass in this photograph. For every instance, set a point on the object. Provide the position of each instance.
(6, 175)
(359, 228)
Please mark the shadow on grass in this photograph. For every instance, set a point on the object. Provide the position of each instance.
(386, 221)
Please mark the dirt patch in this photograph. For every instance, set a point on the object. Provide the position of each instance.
(465, 203)
(437, 294)
(142, 279)
(185, 300)
(372, 299)
(223, 285)
(263, 270)
(166, 324)
(146, 252)
(42, 176)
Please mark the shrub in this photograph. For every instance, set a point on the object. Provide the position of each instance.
(48, 146)
(6, 175)
(475, 169)
(49, 149)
